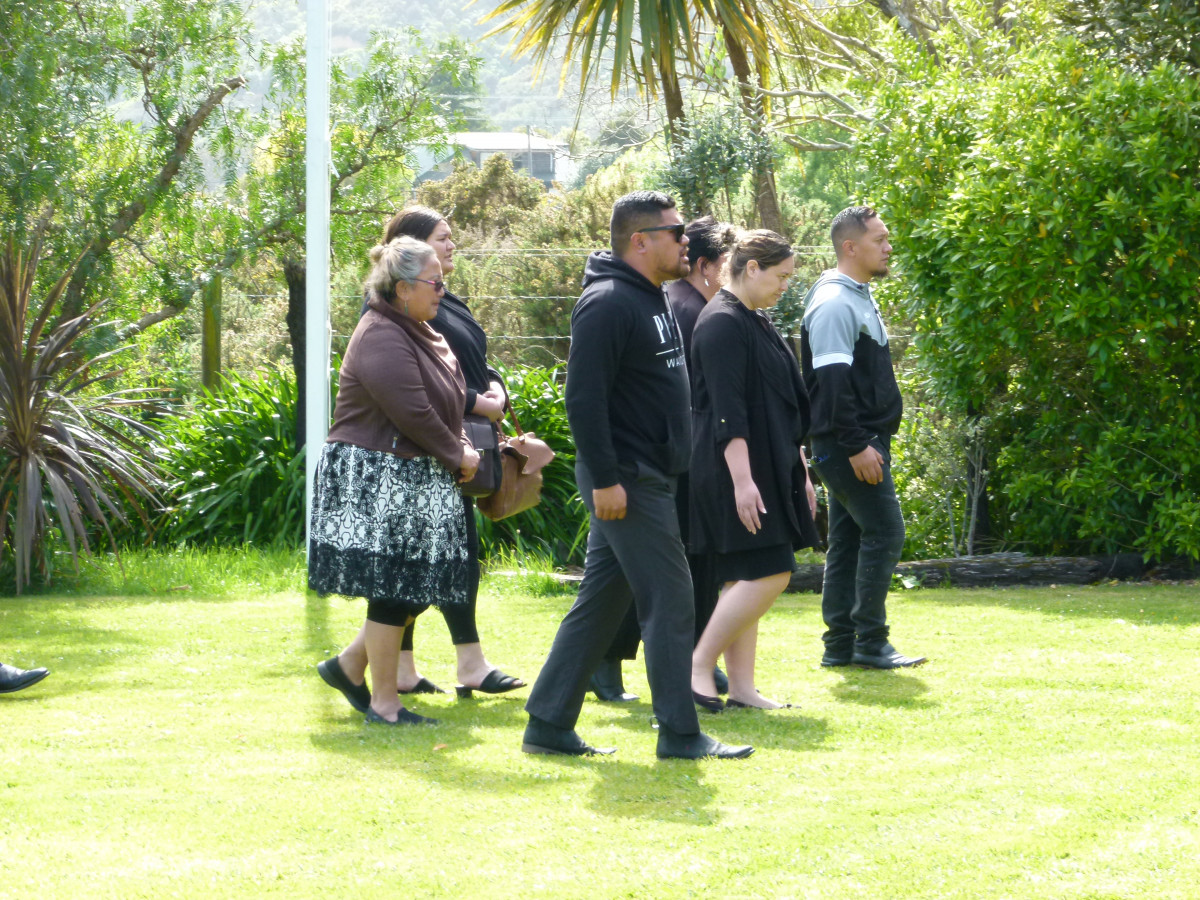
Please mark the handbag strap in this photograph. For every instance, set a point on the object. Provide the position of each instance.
(512, 415)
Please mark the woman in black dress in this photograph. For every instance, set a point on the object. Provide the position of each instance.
(752, 501)
(485, 396)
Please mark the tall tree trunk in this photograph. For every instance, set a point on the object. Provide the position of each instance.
(294, 272)
(766, 197)
(977, 478)
(673, 97)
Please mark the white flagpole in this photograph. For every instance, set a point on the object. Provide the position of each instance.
(316, 315)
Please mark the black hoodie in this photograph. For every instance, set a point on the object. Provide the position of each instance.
(627, 391)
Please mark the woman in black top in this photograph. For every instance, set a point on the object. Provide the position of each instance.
(485, 396)
(752, 503)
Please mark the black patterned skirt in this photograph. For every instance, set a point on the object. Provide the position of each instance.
(387, 528)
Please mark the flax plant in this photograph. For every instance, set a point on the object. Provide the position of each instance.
(70, 455)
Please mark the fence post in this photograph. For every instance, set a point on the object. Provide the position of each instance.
(210, 333)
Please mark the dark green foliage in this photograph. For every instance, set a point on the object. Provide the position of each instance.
(235, 476)
(494, 195)
(556, 527)
(70, 459)
(1138, 34)
(530, 288)
(709, 162)
(1046, 214)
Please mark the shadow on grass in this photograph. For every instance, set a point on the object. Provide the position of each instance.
(1145, 604)
(665, 791)
(75, 653)
(891, 689)
(316, 621)
(783, 729)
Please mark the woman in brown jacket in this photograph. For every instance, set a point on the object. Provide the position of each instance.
(387, 518)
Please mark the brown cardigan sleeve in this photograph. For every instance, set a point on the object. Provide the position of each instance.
(390, 370)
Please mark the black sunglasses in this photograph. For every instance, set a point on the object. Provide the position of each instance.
(677, 231)
(438, 285)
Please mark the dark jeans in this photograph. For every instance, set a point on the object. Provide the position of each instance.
(866, 538)
(637, 559)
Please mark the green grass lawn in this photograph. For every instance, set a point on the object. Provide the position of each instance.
(184, 746)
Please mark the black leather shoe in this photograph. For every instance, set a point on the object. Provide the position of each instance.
(696, 746)
(886, 657)
(835, 660)
(721, 680)
(544, 738)
(13, 679)
(607, 684)
(356, 695)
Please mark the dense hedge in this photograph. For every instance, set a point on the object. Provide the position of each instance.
(1046, 219)
(233, 475)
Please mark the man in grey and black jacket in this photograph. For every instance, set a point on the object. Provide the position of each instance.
(629, 406)
(856, 408)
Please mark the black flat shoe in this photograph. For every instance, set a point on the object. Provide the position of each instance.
(738, 704)
(496, 682)
(721, 680)
(404, 717)
(696, 746)
(424, 686)
(607, 683)
(712, 704)
(543, 738)
(356, 695)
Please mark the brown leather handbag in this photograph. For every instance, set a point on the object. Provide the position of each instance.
(522, 458)
(484, 435)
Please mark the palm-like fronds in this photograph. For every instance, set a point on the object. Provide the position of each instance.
(646, 36)
(69, 454)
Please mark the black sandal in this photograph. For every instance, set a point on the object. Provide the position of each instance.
(496, 682)
(424, 686)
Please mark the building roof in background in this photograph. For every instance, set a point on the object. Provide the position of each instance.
(502, 140)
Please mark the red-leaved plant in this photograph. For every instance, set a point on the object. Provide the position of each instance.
(71, 456)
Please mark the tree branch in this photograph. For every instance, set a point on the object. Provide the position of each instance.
(184, 134)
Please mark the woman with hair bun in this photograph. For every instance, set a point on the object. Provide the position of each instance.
(387, 518)
(752, 503)
(485, 395)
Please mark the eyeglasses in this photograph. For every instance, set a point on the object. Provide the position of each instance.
(677, 231)
(438, 285)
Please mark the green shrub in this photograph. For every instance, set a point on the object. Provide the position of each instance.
(235, 476)
(1046, 215)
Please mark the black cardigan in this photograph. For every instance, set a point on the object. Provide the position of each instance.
(746, 383)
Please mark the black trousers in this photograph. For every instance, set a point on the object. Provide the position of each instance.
(639, 559)
(705, 589)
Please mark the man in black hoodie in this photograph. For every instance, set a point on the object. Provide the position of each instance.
(629, 406)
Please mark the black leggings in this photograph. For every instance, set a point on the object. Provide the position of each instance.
(460, 617)
(388, 612)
